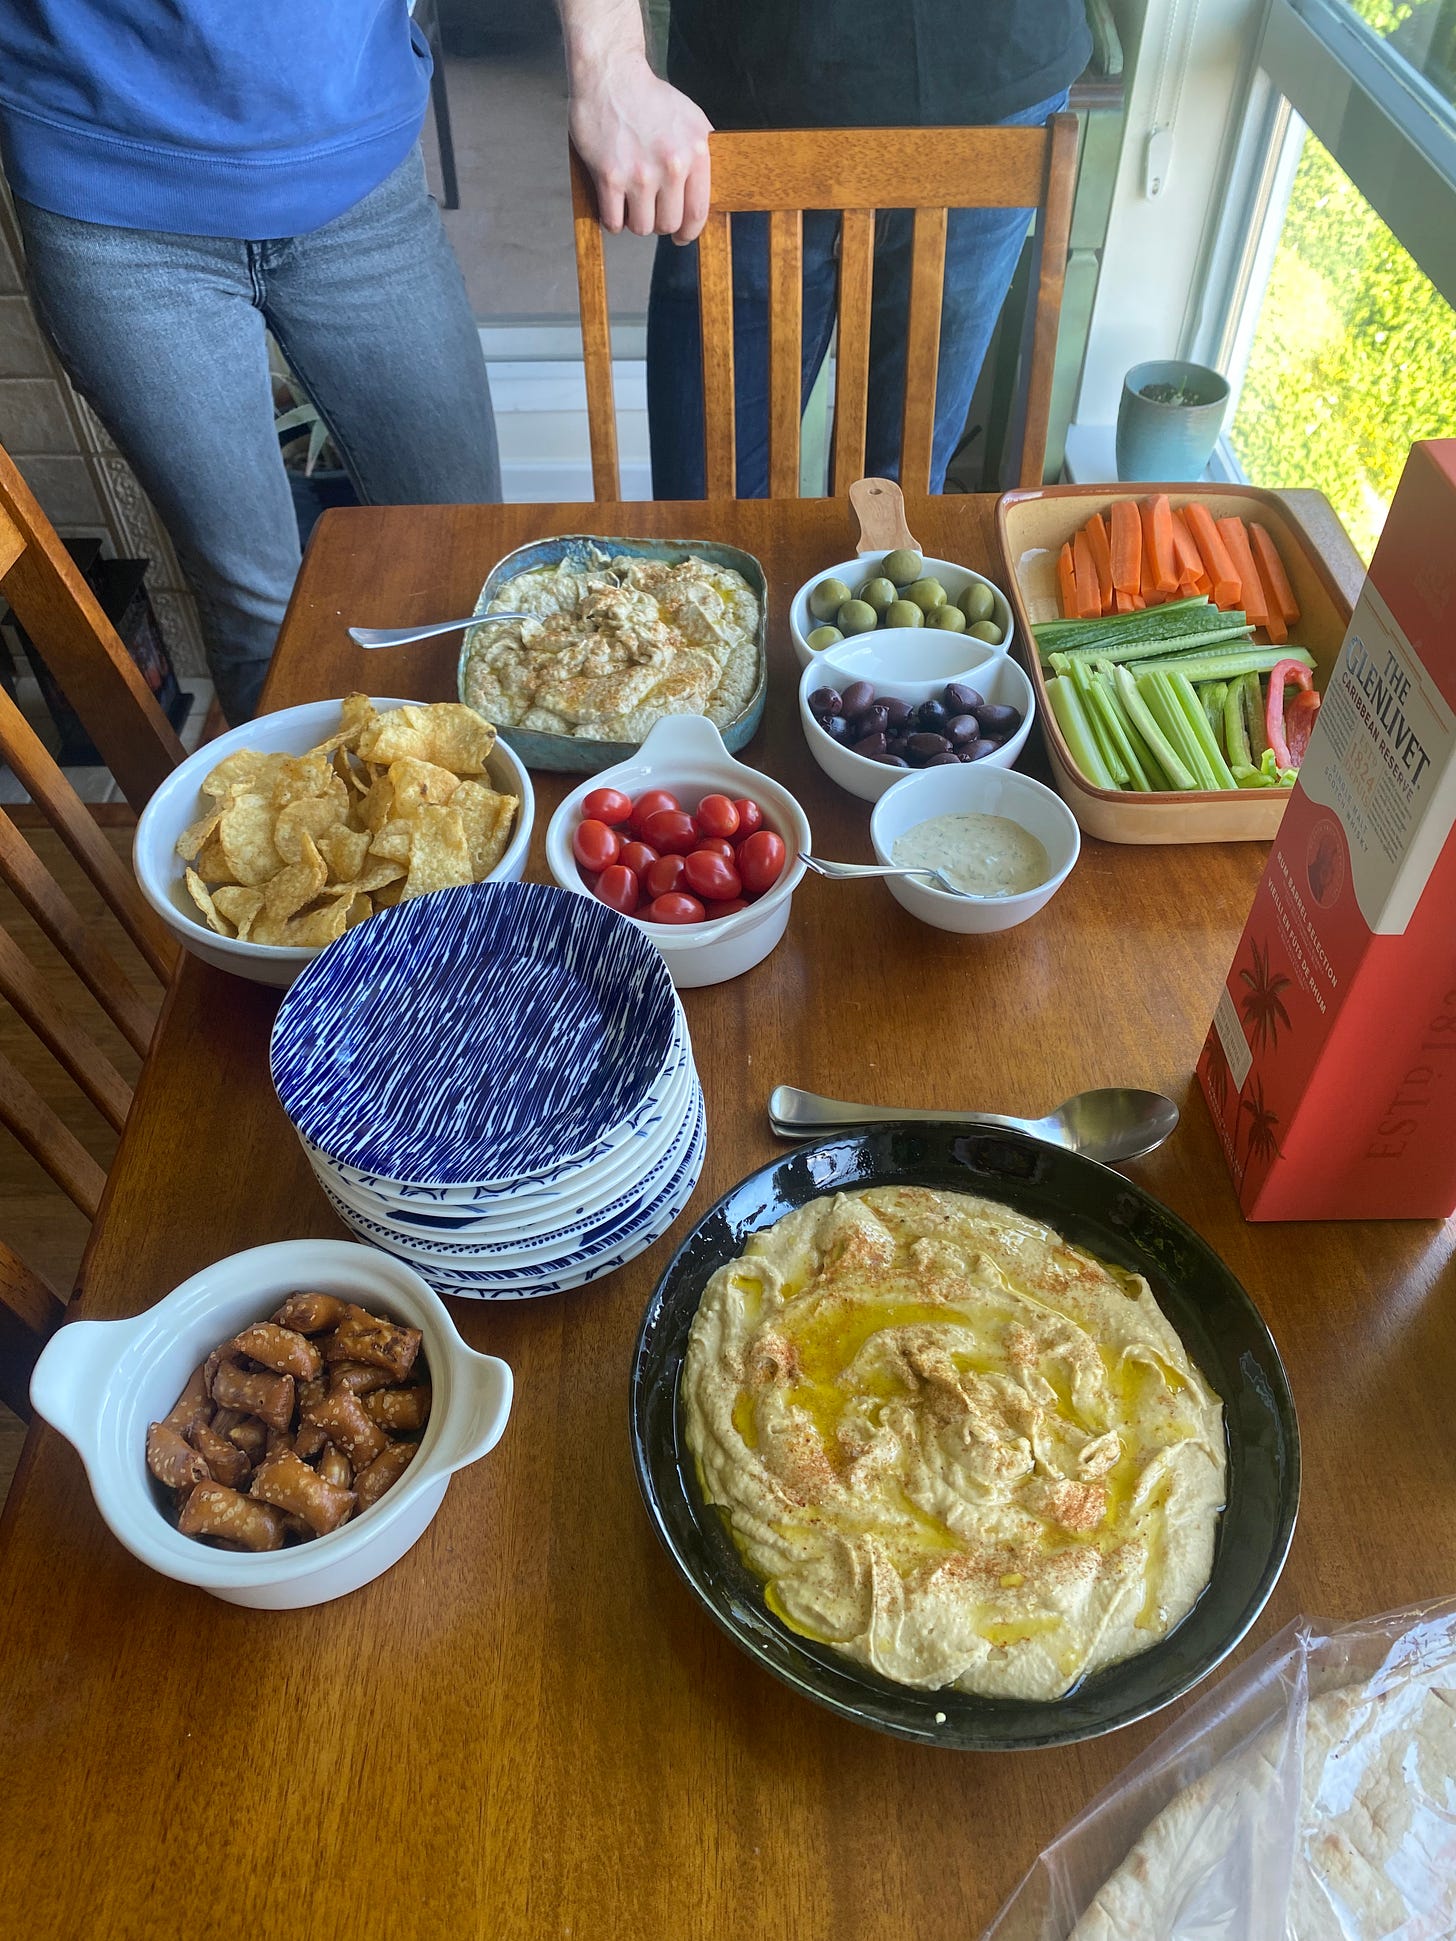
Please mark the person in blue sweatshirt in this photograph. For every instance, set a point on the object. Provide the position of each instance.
(190, 174)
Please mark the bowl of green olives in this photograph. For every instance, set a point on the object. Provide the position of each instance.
(900, 589)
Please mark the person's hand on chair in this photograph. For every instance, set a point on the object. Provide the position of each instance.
(645, 144)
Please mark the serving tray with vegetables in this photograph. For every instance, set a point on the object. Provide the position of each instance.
(1178, 638)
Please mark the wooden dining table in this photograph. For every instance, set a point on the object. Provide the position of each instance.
(529, 1726)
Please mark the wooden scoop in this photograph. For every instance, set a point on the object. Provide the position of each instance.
(879, 505)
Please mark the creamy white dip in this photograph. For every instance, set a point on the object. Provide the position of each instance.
(985, 855)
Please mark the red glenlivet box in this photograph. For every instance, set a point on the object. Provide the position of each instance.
(1330, 1066)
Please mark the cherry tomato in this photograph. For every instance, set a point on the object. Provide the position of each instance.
(663, 876)
(669, 832)
(750, 818)
(636, 855)
(594, 845)
(607, 805)
(711, 876)
(619, 887)
(717, 816)
(724, 909)
(714, 846)
(648, 804)
(761, 861)
(675, 909)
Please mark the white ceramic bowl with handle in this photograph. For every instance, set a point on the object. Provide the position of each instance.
(685, 754)
(975, 788)
(179, 802)
(866, 566)
(912, 666)
(101, 1383)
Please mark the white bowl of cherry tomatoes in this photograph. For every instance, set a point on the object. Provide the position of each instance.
(699, 849)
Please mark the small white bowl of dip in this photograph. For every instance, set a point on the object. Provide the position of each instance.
(924, 811)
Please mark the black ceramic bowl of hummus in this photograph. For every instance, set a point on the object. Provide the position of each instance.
(1094, 1209)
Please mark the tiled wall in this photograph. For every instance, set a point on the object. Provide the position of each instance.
(71, 465)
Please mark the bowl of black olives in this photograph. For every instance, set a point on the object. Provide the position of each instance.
(874, 710)
(899, 591)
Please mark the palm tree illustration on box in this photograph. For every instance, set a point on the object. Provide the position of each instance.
(1261, 1004)
(1261, 1142)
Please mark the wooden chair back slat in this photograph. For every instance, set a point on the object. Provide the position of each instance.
(46, 1138)
(87, 955)
(596, 333)
(81, 648)
(786, 307)
(22, 749)
(69, 1044)
(922, 348)
(30, 1312)
(12, 543)
(715, 307)
(782, 172)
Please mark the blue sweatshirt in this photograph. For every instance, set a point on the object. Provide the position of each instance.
(242, 118)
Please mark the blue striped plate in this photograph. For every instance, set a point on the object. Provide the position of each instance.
(473, 1035)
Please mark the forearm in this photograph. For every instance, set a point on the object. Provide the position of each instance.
(599, 34)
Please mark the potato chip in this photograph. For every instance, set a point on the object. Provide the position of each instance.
(377, 871)
(198, 891)
(445, 732)
(488, 820)
(211, 864)
(344, 850)
(303, 775)
(414, 781)
(439, 854)
(389, 894)
(378, 804)
(296, 886)
(356, 711)
(239, 905)
(395, 841)
(247, 769)
(311, 815)
(358, 910)
(246, 836)
(195, 835)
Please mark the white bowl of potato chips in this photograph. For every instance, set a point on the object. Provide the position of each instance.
(274, 839)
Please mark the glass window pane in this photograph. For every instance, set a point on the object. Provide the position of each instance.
(1422, 32)
(1353, 357)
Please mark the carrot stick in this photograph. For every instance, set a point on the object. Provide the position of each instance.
(1089, 603)
(1190, 565)
(1153, 594)
(1123, 602)
(1157, 518)
(1271, 566)
(1223, 579)
(1127, 547)
(1067, 582)
(1256, 601)
(1097, 539)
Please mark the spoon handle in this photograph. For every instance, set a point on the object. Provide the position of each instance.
(801, 1115)
(401, 636)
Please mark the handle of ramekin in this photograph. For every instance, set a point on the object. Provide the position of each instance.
(488, 1385)
(67, 1382)
(879, 505)
(683, 738)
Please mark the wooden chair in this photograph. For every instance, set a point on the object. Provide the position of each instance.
(856, 171)
(69, 630)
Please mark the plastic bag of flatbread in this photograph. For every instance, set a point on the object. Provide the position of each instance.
(1310, 1796)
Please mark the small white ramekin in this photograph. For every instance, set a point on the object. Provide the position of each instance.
(685, 754)
(101, 1383)
(866, 566)
(179, 802)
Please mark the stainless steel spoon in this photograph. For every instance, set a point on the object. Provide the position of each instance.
(844, 872)
(1110, 1124)
(399, 636)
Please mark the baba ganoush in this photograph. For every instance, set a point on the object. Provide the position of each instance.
(984, 855)
(611, 647)
(955, 1448)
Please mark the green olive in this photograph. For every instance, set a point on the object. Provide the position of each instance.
(948, 618)
(877, 594)
(927, 595)
(978, 602)
(827, 598)
(904, 613)
(823, 637)
(986, 630)
(902, 566)
(857, 617)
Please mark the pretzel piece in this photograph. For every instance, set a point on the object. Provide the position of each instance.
(283, 1350)
(400, 1411)
(214, 1511)
(341, 1417)
(291, 1485)
(311, 1313)
(226, 1463)
(369, 1337)
(269, 1397)
(172, 1460)
(383, 1473)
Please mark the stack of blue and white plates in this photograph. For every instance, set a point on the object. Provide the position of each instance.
(495, 1083)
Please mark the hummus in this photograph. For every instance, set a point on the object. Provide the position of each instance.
(609, 649)
(956, 1448)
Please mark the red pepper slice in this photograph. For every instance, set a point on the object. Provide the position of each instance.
(1289, 735)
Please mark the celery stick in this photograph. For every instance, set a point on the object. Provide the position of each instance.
(1103, 704)
(1213, 694)
(1158, 745)
(1164, 706)
(1226, 663)
(1185, 697)
(1235, 729)
(1116, 767)
(1254, 719)
(1155, 645)
(1066, 705)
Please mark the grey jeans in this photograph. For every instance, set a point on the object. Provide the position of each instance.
(164, 336)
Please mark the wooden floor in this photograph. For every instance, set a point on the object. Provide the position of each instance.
(36, 1219)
